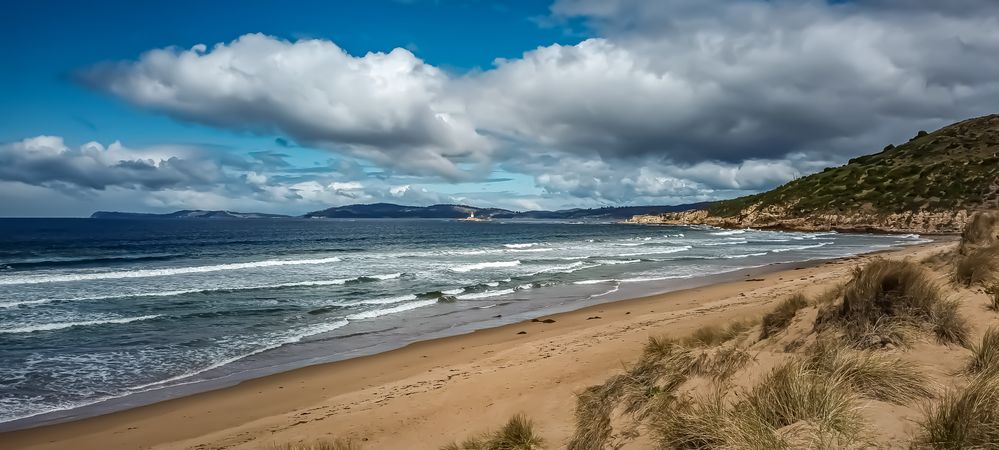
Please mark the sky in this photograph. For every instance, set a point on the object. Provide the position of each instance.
(294, 106)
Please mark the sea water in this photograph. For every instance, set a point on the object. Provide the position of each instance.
(95, 310)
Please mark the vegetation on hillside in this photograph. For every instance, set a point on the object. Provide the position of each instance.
(956, 167)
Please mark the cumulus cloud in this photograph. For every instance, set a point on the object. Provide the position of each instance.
(376, 106)
(47, 161)
(669, 101)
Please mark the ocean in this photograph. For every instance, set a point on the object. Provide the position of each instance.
(115, 313)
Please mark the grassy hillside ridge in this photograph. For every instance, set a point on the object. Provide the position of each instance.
(955, 167)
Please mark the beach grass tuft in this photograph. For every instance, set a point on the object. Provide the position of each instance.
(594, 407)
(325, 444)
(872, 374)
(517, 434)
(795, 392)
(964, 418)
(993, 292)
(792, 407)
(979, 266)
(982, 229)
(780, 318)
(985, 355)
(885, 299)
(712, 335)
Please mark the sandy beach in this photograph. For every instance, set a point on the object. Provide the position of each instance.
(431, 393)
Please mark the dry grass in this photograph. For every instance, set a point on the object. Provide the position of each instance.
(327, 444)
(979, 266)
(793, 392)
(792, 407)
(693, 423)
(993, 292)
(884, 298)
(517, 434)
(722, 363)
(711, 335)
(981, 229)
(779, 319)
(965, 418)
(664, 366)
(985, 356)
(872, 374)
(594, 407)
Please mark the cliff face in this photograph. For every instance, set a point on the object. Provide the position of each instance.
(922, 222)
(930, 184)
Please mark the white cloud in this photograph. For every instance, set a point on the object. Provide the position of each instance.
(672, 101)
(380, 106)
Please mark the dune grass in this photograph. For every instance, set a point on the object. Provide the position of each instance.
(981, 229)
(992, 291)
(517, 434)
(966, 418)
(985, 355)
(326, 444)
(712, 335)
(884, 299)
(872, 374)
(594, 407)
(794, 392)
(791, 405)
(722, 363)
(979, 266)
(780, 318)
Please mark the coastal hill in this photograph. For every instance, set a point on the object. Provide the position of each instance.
(393, 211)
(185, 214)
(932, 183)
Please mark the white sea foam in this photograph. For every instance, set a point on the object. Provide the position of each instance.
(294, 338)
(453, 291)
(747, 255)
(644, 279)
(383, 301)
(311, 283)
(144, 273)
(593, 281)
(485, 294)
(395, 309)
(611, 291)
(727, 242)
(658, 251)
(531, 244)
(64, 325)
(310, 331)
(612, 262)
(802, 247)
(728, 232)
(485, 265)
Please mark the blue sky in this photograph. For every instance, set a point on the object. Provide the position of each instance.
(522, 104)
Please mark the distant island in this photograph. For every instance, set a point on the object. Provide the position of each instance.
(185, 214)
(931, 184)
(393, 211)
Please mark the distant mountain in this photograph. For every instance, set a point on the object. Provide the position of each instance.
(393, 211)
(606, 213)
(185, 214)
(932, 183)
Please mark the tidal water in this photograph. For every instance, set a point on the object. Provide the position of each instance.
(93, 310)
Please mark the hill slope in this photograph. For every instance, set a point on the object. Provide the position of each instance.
(393, 211)
(928, 184)
(184, 214)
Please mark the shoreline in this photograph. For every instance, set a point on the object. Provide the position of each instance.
(266, 399)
